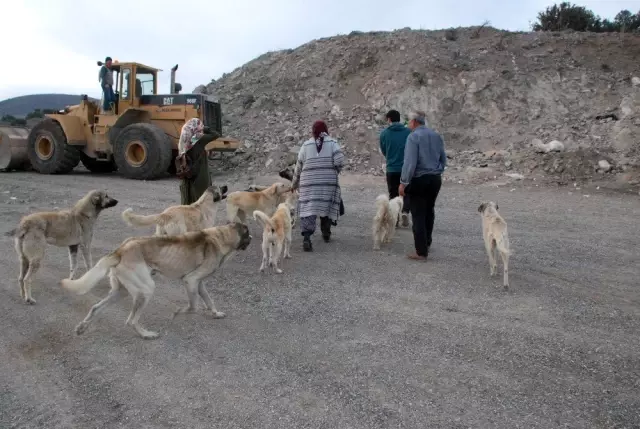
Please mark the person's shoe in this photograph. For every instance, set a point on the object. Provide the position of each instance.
(306, 244)
(325, 227)
(415, 257)
(405, 220)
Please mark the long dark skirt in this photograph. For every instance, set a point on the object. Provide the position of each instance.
(192, 189)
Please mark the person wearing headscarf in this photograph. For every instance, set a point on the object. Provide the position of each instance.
(320, 160)
(193, 188)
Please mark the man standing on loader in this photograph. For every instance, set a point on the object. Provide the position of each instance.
(106, 82)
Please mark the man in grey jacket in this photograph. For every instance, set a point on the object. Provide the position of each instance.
(424, 161)
(106, 82)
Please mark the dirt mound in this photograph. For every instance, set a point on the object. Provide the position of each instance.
(483, 89)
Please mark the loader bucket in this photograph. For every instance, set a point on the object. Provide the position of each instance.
(13, 148)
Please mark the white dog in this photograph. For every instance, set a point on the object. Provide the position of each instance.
(385, 220)
(494, 233)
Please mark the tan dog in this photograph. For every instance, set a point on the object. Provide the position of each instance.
(241, 203)
(70, 228)
(190, 257)
(496, 239)
(276, 235)
(385, 219)
(181, 219)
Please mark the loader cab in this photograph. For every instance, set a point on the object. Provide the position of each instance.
(133, 80)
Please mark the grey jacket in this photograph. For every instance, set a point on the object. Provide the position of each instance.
(423, 154)
(105, 77)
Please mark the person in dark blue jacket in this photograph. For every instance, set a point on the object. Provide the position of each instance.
(392, 142)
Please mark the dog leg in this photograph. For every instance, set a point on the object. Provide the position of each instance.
(265, 255)
(391, 233)
(24, 267)
(34, 265)
(73, 261)
(192, 296)
(140, 301)
(287, 246)
(113, 295)
(202, 291)
(494, 249)
(488, 244)
(376, 238)
(276, 251)
(505, 268)
(86, 256)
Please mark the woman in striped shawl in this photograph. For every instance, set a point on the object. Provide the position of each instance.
(316, 177)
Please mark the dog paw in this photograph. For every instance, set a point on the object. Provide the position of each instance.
(183, 310)
(279, 271)
(287, 256)
(218, 315)
(81, 328)
(149, 335)
(30, 301)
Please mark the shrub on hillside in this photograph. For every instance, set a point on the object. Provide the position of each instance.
(567, 16)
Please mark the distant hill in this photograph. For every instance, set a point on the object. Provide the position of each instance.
(22, 106)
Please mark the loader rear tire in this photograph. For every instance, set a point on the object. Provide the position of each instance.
(48, 150)
(142, 152)
(98, 167)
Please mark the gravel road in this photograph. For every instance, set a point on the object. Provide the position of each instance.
(346, 337)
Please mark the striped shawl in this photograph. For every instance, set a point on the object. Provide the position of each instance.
(316, 176)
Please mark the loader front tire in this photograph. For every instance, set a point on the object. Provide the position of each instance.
(48, 150)
(142, 152)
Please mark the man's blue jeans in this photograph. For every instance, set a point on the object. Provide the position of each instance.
(108, 97)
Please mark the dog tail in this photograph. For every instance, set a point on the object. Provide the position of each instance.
(91, 278)
(138, 220)
(264, 218)
(382, 200)
(382, 206)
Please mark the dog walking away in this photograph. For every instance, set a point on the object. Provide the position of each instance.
(496, 239)
(385, 219)
(241, 203)
(177, 220)
(72, 228)
(190, 257)
(276, 235)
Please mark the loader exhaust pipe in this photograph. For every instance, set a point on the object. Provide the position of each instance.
(173, 89)
(13, 148)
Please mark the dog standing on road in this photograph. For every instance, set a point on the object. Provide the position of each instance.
(241, 203)
(70, 228)
(177, 220)
(276, 235)
(190, 257)
(385, 219)
(496, 239)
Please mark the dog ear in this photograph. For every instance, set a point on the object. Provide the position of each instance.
(482, 207)
(96, 199)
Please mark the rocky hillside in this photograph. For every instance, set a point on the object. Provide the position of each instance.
(490, 93)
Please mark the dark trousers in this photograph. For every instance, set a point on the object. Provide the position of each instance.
(393, 182)
(424, 191)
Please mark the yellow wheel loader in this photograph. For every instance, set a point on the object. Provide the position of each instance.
(138, 137)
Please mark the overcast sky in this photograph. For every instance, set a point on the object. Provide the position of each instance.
(53, 45)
